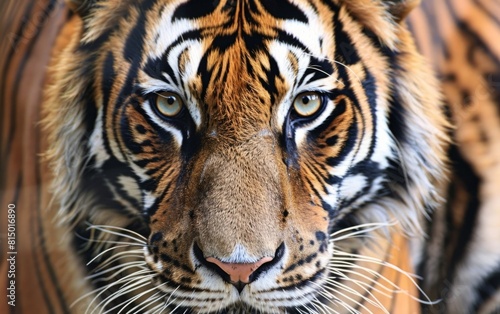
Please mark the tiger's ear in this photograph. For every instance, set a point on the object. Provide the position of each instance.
(399, 9)
(81, 7)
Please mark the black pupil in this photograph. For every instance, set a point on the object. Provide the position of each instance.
(305, 100)
(171, 100)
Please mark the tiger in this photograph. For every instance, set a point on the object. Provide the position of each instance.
(250, 156)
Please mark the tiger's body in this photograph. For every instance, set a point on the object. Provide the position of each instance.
(181, 139)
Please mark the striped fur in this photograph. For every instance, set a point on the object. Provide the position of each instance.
(461, 259)
(128, 203)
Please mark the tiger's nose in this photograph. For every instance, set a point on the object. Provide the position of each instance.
(239, 272)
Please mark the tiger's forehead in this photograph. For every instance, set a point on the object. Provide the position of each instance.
(237, 58)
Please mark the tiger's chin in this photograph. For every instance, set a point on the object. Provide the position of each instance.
(230, 300)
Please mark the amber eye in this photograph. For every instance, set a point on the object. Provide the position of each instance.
(168, 104)
(307, 104)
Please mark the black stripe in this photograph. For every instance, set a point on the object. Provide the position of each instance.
(194, 9)
(6, 150)
(283, 9)
(349, 142)
(487, 289)
(156, 205)
(470, 179)
(370, 171)
(313, 189)
(291, 40)
(132, 52)
(397, 118)
(473, 36)
(370, 88)
(317, 173)
(345, 50)
(23, 64)
(155, 68)
(108, 77)
(318, 68)
(134, 44)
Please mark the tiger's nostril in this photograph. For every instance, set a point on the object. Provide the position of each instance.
(239, 274)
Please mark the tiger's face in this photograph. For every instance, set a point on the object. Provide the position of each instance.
(242, 134)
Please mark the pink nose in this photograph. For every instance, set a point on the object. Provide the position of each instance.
(239, 272)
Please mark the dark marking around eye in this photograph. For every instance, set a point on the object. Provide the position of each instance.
(316, 70)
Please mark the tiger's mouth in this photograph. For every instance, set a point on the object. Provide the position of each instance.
(214, 291)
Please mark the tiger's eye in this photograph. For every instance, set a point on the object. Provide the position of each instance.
(307, 104)
(169, 104)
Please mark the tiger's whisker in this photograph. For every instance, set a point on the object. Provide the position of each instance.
(119, 269)
(127, 288)
(150, 300)
(365, 228)
(115, 258)
(348, 297)
(141, 239)
(375, 302)
(107, 250)
(363, 285)
(125, 279)
(130, 301)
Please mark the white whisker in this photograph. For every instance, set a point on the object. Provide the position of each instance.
(150, 300)
(127, 288)
(102, 228)
(359, 230)
(120, 268)
(107, 250)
